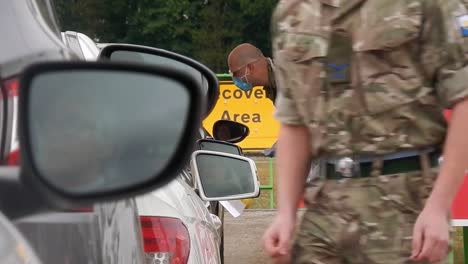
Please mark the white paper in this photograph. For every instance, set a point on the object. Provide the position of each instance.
(234, 207)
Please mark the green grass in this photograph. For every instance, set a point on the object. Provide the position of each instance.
(263, 171)
(457, 255)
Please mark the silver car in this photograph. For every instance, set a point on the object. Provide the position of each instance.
(177, 212)
(42, 149)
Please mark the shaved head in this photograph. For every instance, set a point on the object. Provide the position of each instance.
(243, 54)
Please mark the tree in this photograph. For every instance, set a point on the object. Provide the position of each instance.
(163, 24)
(257, 28)
(216, 34)
(205, 30)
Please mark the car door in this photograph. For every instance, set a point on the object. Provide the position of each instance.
(203, 228)
(14, 248)
(183, 202)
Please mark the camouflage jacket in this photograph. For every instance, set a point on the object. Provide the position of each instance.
(370, 76)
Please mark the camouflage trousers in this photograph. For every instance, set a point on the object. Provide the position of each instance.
(361, 220)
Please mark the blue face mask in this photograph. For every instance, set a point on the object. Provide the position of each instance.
(244, 86)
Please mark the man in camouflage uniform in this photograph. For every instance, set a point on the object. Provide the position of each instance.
(248, 68)
(364, 82)
(248, 65)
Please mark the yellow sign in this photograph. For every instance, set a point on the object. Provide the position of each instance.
(252, 109)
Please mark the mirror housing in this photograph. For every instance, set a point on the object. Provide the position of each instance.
(116, 128)
(153, 56)
(219, 146)
(230, 131)
(223, 176)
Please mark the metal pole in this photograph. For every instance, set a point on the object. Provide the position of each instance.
(223, 75)
(272, 192)
(269, 186)
(465, 244)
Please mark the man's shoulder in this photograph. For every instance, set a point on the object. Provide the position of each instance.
(296, 15)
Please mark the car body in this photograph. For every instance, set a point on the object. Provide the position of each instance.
(110, 231)
(180, 200)
(15, 248)
(86, 236)
(93, 233)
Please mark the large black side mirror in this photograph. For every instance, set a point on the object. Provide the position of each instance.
(230, 131)
(159, 57)
(92, 132)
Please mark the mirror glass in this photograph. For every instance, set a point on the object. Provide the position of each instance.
(223, 176)
(102, 130)
(219, 146)
(230, 131)
(147, 58)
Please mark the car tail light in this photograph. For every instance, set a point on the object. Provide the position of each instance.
(11, 86)
(166, 240)
(83, 210)
(13, 158)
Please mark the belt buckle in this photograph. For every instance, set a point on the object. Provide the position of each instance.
(347, 167)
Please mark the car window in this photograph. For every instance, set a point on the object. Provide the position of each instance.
(124, 55)
(74, 44)
(88, 47)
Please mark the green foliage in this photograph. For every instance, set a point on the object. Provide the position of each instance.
(205, 30)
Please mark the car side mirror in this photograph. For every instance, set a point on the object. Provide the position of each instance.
(230, 131)
(223, 176)
(151, 56)
(220, 146)
(92, 132)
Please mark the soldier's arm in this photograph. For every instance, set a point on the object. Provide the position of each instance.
(455, 162)
(445, 58)
(292, 165)
(293, 145)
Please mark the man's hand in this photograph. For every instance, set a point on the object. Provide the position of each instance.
(431, 231)
(277, 240)
(431, 235)
(292, 165)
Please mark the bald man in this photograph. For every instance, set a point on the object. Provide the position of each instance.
(248, 68)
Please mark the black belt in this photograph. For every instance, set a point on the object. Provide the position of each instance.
(392, 166)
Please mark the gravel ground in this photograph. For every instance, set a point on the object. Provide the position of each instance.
(242, 236)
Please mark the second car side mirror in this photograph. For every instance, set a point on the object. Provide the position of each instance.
(223, 176)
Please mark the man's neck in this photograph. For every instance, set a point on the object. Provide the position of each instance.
(271, 75)
(271, 88)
